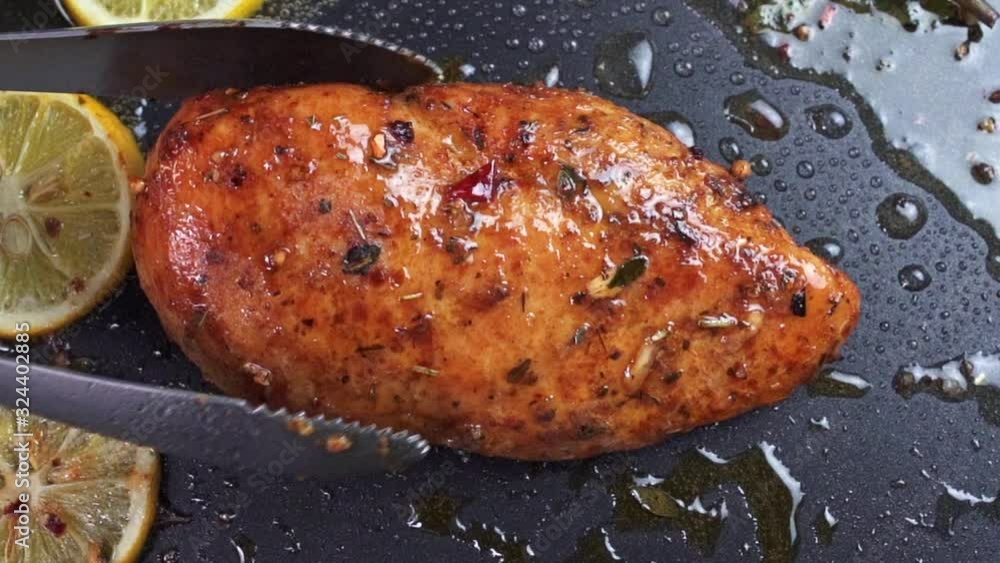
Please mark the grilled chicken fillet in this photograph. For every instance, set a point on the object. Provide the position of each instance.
(518, 271)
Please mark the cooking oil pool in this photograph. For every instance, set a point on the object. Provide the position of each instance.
(973, 376)
(932, 90)
(683, 500)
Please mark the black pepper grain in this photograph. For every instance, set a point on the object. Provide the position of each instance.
(983, 173)
(799, 303)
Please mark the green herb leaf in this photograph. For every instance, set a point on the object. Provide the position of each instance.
(522, 374)
(570, 183)
(657, 502)
(629, 271)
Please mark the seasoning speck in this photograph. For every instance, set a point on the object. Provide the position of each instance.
(55, 524)
(719, 321)
(402, 131)
(260, 374)
(338, 443)
(361, 258)
(627, 273)
(580, 336)
(988, 125)
(962, 50)
(422, 370)
(301, 426)
(521, 374)
(275, 260)
(53, 227)
(983, 173)
(741, 169)
(377, 146)
(569, 182)
(799, 303)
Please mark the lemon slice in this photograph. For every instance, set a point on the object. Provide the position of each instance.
(92, 499)
(65, 164)
(108, 12)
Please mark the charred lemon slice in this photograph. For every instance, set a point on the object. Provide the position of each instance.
(109, 12)
(65, 164)
(91, 499)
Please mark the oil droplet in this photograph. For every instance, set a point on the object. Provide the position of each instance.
(824, 526)
(760, 165)
(623, 65)
(828, 249)
(550, 75)
(662, 17)
(971, 376)
(914, 278)
(805, 169)
(954, 503)
(226, 516)
(684, 69)
(438, 514)
(675, 501)
(756, 116)
(246, 549)
(901, 215)
(833, 383)
(729, 149)
(675, 123)
(595, 547)
(828, 120)
(946, 143)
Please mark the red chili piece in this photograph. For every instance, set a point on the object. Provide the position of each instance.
(478, 187)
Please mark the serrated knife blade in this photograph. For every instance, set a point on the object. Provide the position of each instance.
(215, 429)
(182, 59)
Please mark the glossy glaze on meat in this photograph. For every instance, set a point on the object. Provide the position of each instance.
(517, 271)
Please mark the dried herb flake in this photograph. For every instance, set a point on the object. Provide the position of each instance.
(570, 183)
(629, 272)
(580, 336)
(361, 258)
(657, 502)
(522, 374)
